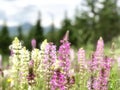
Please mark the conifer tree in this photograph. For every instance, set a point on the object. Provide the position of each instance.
(38, 31)
(109, 20)
(67, 25)
(5, 39)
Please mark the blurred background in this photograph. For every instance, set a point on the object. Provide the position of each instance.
(86, 20)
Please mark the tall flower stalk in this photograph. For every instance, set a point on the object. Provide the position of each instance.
(82, 68)
(49, 60)
(15, 62)
(100, 67)
(31, 75)
(104, 74)
(95, 65)
(33, 43)
(64, 53)
(61, 78)
(35, 56)
(24, 60)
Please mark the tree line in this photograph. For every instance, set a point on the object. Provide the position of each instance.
(100, 18)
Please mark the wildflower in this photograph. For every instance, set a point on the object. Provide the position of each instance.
(95, 65)
(64, 53)
(35, 55)
(82, 67)
(81, 57)
(31, 74)
(61, 78)
(104, 74)
(23, 70)
(58, 80)
(99, 49)
(49, 59)
(9, 80)
(16, 47)
(50, 53)
(100, 68)
(33, 43)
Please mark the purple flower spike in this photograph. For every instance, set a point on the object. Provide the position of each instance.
(64, 53)
(100, 48)
(58, 81)
(31, 74)
(33, 43)
(65, 38)
(81, 55)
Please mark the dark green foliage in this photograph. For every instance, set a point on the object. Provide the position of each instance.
(97, 21)
(52, 33)
(29, 38)
(67, 25)
(109, 25)
(5, 40)
(38, 32)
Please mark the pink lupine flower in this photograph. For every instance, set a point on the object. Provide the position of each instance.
(50, 53)
(100, 68)
(104, 74)
(98, 55)
(33, 43)
(49, 59)
(82, 67)
(62, 78)
(64, 53)
(81, 57)
(58, 80)
(99, 48)
(95, 65)
(31, 74)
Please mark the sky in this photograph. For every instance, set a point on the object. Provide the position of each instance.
(16, 12)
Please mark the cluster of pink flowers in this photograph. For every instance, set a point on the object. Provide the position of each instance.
(64, 53)
(58, 80)
(82, 59)
(61, 78)
(50, 54)
(49, 59)
(100, 66)
(104, 74)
